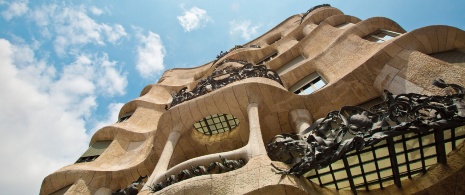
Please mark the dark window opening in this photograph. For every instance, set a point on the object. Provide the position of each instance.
(267, 58)
(125, 117)
(94, 151)
(274, 41)
(456, 57)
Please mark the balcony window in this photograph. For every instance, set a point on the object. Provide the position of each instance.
(344, 25)
(94, 151)
(217, 123)
(456, 57)
(125, 117)
(290, 65)
(308, 85)
(268, 58)
(381, 35)
(274, 39)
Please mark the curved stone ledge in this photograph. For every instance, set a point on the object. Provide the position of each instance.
(100, 173)
(203, 161)
(336, 20)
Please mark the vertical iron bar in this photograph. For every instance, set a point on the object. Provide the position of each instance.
(407, 162)
(422, 154)
(227, 121)
(440, 146)
(363, 170)
(377, 167)
(394, 165)
(452, 138)
(208, 126)
(349, 174)
(319, 179)
(334, 178)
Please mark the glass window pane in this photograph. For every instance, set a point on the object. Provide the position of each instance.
(197, 125)
(307, 91)
(320, 84)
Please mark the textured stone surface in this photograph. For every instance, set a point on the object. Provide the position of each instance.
(355, 69)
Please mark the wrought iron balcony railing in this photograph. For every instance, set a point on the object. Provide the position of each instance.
(312, 9)
(223, 77)
(353, 128)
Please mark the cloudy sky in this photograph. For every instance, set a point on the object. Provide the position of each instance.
(67, 67)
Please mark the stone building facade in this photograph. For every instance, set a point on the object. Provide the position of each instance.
(281, 82)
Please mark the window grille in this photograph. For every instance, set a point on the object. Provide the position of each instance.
(217, 123)
(389, 161)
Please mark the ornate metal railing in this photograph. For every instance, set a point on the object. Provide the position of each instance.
(224, 53)
(311, 9)
(214, 168)
(353, 128)
(131, 189)
(240, 46)
(221, 78)
(243, 62)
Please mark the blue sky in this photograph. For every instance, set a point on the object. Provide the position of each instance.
(67, 67)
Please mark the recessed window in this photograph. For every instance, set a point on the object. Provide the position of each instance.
(290, 65)
(274, 39)
(125, 117)
(268, 58)
(381, 35)
(308, 85)
(456, 57)
(279, 38)
(94, 151)
(344, 25)
(217, 123)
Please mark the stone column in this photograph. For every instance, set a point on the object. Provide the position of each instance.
(165, 157)
(301, 119)
(256, 146)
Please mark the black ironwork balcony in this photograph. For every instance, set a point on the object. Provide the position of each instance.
(214, 168)
(312, 9)
(353, 128)
(223, 77)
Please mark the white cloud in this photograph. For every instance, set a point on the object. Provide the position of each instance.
(193, 18)
(45, 112)
(110, 80)
(73, 27)
(15, 9)
(29, 119)
(42, 15)
(243, 28)
(96, 11)
(150, 55)
(114, 33)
